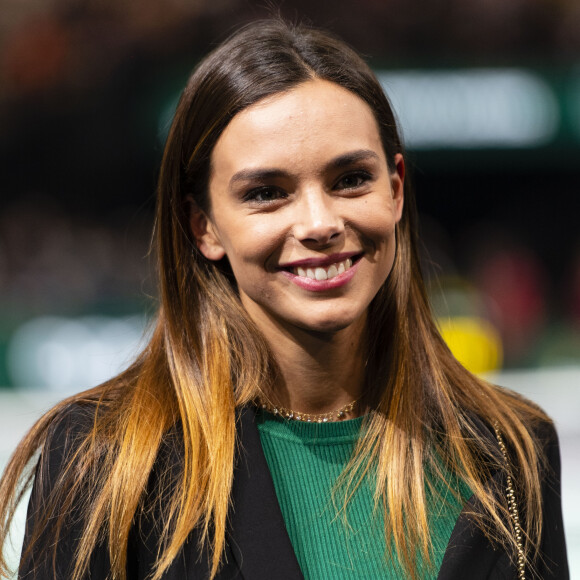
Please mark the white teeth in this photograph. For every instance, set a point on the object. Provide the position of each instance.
(324, 273)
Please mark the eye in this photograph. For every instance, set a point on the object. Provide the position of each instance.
(353, 180)
(264, 194)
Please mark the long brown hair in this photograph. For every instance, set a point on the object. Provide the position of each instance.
(206, 358)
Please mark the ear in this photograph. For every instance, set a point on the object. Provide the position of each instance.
(398, 185)
(205, 233)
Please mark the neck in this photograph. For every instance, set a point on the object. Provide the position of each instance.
(318, 372)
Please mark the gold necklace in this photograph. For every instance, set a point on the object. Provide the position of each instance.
(331, 416)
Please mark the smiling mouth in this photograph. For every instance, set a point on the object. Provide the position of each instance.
(326, 272)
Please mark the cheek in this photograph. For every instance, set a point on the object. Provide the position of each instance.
(377, 223)
(258, 242)
(378, 232)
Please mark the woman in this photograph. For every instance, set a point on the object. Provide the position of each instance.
(296, 412)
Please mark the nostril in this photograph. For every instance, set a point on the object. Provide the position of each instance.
(317, 222)
(321, 235)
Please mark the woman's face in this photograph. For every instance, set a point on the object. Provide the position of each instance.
(304, 207)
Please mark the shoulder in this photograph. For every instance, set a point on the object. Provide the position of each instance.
(553, 561)
(70, 423)
(69, 453)
(534, 420)
(60, 489)
(64, 437)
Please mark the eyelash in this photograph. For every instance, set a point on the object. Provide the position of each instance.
(362, 177)
(253, 194)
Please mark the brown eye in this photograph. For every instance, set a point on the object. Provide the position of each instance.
(353, 180)
(264, 194)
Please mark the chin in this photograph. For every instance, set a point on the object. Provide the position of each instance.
(330, 325)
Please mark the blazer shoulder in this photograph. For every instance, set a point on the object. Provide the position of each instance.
(54, 522)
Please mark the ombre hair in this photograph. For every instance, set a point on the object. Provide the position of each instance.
(206, 359)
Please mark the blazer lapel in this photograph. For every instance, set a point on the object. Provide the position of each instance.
(469, 553)
(258, 537)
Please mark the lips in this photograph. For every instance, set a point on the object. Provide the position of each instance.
(323, 274)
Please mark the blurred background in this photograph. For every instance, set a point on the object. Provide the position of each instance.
(487, 92)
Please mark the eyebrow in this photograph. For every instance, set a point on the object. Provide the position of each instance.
(266, 174)
(352, 157)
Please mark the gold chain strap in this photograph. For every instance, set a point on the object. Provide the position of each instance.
(512, 506)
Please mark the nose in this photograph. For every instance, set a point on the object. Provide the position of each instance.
(317, 220)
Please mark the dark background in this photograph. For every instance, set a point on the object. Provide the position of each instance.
(86, 89)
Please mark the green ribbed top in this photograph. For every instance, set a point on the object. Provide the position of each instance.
(305, 460)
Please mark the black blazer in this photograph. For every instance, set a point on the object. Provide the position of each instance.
(258, 546)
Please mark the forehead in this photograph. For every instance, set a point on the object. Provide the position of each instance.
(315, 120)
